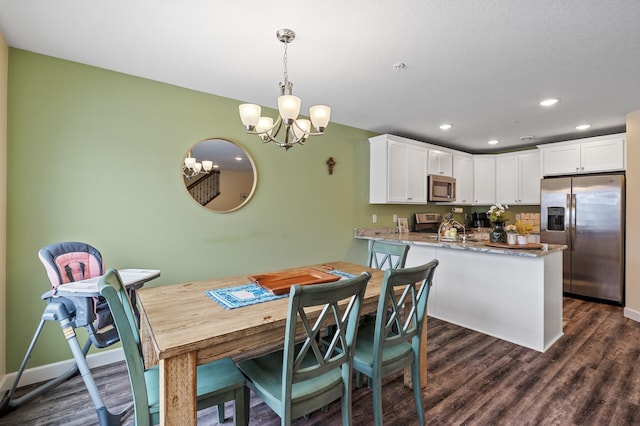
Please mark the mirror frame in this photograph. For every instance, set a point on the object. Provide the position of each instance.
(246, 154)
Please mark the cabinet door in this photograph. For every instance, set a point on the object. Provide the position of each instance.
(484, 180)
(463, 172)
(529, 178)
(560, 160)
(600, 156)
(407, 168)
(507, 179)
(398, 169)
(417, 175)
(440, 163)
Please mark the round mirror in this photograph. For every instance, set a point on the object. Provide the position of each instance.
(219, 174)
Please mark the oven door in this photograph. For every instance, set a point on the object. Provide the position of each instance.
(442, 188)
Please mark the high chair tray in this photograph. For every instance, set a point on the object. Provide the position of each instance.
(280, 283)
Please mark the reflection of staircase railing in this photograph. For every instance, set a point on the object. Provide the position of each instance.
(205, 188)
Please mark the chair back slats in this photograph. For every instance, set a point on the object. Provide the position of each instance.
(383, 255)
(113, 290)
(341, 303)
(399, 319)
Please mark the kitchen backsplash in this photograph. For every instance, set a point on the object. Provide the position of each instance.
(531, 218)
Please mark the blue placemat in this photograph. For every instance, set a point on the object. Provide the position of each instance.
(250, 294)
(242, 295)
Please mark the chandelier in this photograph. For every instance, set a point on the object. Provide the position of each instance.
(295, 130)
(192, 168)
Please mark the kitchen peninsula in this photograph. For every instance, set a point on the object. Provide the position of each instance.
(511, 294)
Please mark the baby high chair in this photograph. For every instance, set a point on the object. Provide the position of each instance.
(68, 262)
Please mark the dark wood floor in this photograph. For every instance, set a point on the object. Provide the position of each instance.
(591, 376)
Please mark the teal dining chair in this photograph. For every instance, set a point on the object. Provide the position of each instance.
(217, 382)
(383, 255)
(307, 375)
(392, 343)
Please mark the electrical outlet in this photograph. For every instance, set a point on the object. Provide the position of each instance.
(374, 218)
(395, 218)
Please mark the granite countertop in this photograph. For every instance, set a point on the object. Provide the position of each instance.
(425, 239)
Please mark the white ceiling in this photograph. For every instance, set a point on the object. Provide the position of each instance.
(482, 65)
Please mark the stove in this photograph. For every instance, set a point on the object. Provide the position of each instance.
(427, 222)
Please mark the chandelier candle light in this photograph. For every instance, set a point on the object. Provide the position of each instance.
(192, 168)
(296, 130)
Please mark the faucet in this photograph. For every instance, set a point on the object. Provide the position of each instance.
(440, 230)
(445, 222)
(450, 220)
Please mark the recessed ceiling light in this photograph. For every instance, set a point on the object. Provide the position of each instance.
(493, 142)
(238, 158)
(549, 102)
(446, 126)
(583, 126)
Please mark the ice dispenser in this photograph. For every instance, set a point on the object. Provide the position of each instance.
(555, 218)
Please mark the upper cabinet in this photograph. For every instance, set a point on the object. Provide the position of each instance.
(518, 178)
(398, 171)
(590, 155)
(463, 172)
(484, 179)
(440, 163)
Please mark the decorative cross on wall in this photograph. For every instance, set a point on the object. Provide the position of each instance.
(331, 162)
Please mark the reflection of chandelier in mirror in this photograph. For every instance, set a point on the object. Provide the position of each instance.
(191, 168)
(296, 130)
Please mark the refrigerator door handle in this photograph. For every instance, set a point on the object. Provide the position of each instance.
(568, 222)
(572, 229)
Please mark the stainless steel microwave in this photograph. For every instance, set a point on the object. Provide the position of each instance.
(441, 188)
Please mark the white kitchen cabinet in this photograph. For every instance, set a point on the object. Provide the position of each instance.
(463, 173)
(518, 178)
(440, 163)
(467, 291)
(604, 155)
(590, 155)
(484, 179)
(398, 171)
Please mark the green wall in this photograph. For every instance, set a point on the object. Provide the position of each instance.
(94, 156)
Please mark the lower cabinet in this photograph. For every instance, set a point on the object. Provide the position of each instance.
(522, 303)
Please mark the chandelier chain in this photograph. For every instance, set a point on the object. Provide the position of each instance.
(284, 62)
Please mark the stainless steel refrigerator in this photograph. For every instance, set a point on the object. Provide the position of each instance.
(587, 214)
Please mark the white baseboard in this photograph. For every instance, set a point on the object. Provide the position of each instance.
(50, 371)
(631, 314)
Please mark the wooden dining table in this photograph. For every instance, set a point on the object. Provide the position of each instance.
(181, 328)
